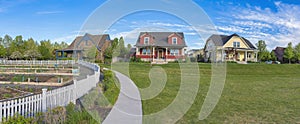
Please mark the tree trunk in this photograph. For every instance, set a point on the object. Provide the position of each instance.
(289, 61)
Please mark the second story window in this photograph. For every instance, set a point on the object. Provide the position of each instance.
(174, 40)
(146, 40)
(236, 44)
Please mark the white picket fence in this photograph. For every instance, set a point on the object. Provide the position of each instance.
(28, 106)
(36, 62)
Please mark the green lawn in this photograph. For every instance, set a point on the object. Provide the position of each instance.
(253, 93)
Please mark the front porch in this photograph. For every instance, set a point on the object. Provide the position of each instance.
(159, 55)
(233, 54)
(240, 55)
(75, 54)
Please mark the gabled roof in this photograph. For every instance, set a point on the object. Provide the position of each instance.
(97, 40)
(221, 40)
(161, 39)
(279, 50)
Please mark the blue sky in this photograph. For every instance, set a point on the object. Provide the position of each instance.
(276, 22)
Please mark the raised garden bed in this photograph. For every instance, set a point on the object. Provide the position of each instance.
(10, 93)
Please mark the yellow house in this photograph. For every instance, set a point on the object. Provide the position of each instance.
(229, 48)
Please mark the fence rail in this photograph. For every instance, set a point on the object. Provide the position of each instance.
(30, 105)
(36, 62)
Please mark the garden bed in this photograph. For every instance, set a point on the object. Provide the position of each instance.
(9, 93)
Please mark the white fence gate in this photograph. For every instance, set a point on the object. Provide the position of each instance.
(28, 106)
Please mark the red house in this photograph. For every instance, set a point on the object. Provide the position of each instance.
(161, 47)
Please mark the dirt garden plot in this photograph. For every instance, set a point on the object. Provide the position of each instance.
(8, 93)
(14, 85)
(48, 75)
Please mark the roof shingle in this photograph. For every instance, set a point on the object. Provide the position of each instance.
(161, 39)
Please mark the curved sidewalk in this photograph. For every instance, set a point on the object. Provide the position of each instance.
(128, 107)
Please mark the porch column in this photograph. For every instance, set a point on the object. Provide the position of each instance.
(234, 55)
(166, 54)
(75, 55)
(222, 55)
(246, 56)
(137, 51)
(157, 53)
(62, 54)
(153, 52)
(56, 54)
(255, 56)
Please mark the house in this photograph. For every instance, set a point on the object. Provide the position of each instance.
(161, 47)
(81, 44)
(195, 54)
(279, 53)
(229, 48)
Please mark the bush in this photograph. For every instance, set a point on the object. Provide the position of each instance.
(18, 119)
(135, 59)
(110, 90)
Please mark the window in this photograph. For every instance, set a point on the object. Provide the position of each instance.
(236, 44)
(146, 52)
(174, 40)
(174, 52)
(146, 40)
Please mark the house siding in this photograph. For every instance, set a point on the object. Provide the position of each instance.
(179, 39)
(233, 39)
(146, 35)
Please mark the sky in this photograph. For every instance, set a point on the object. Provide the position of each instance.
(276, 22)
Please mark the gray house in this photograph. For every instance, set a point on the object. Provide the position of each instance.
(81, 44)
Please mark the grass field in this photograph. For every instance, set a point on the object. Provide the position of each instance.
(253, 93)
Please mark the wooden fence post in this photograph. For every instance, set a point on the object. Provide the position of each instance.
(44, 100)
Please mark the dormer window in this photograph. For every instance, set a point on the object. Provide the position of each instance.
(146, 40)
(174, 40)
(236, 44)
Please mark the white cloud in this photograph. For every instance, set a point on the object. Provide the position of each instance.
(48, 12)
(68, 39)
(277, 27)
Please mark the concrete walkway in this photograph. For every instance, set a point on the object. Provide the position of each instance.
(128, 107)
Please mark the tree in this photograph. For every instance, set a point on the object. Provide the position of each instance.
(46, 50)
(31, 54)
(91, 54)
(123, 50)
(129, 46)
(30, 44)
(1, 41)
(6, 41)
(16, 55)
(297, 52)
(265, 55)
(273, 56)
(2, 51)
(262, 50)
(288, 52)
(111, 51)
